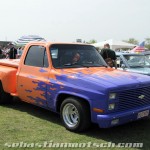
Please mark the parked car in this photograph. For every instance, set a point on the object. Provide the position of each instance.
(132, 62)
(147, 54)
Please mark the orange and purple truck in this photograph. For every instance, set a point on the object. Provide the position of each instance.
(82, 92)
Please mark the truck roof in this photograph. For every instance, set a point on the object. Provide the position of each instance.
(49, 43)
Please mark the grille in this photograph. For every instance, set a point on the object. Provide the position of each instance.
(130, 98)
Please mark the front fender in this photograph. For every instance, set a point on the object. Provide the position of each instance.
(59, 97)
(74, 94)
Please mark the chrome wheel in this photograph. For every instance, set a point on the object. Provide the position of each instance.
(70, 115)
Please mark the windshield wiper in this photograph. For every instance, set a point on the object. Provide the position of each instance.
(71, 64)
(76, 64)
(85, 65)
(90, 64)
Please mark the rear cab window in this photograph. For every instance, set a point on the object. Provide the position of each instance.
(37, 56)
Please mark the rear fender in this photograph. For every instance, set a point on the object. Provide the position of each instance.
(8, 78)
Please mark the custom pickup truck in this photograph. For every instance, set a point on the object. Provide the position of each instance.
(82, 92)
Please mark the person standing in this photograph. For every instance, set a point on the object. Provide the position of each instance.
(12, 52)
(109, 56)
(0, 51)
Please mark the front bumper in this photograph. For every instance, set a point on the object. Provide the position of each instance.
(105, 121)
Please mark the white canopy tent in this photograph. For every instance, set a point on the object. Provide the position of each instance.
(114, 44)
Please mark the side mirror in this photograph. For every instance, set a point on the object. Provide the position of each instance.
(123, 66)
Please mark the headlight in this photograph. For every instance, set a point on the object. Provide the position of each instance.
(111, 106)
(112, 95)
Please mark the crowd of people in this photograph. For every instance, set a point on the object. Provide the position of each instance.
(10, 52)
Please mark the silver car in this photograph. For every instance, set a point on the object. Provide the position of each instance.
(132, 62)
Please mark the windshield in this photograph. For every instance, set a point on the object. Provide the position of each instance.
(75, 56)
(148, 56)
(137, 61)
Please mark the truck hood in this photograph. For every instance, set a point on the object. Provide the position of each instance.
(102, 78)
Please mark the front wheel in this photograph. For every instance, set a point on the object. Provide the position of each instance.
(75, 114)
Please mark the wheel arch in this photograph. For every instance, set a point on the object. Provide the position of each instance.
(7, 76)
(61, 97)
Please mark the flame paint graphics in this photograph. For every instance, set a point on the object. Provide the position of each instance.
(50, 90)
(42, 70)
(85, 81)
(46, 92)
(39, 99)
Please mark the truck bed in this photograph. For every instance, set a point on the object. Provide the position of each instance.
(10, 62)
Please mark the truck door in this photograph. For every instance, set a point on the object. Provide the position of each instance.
(32, 78)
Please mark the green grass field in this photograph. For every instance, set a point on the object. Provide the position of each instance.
(22, 122)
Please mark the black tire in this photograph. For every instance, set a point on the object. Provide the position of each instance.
(5, 98)
(81, 114)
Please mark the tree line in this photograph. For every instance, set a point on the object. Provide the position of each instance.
(130, 40)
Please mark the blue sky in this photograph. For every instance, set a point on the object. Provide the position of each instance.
(68, 20)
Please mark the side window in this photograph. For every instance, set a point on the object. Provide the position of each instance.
(36, 56)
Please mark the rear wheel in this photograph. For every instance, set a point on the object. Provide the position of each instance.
(5, 98)
(75, 114)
